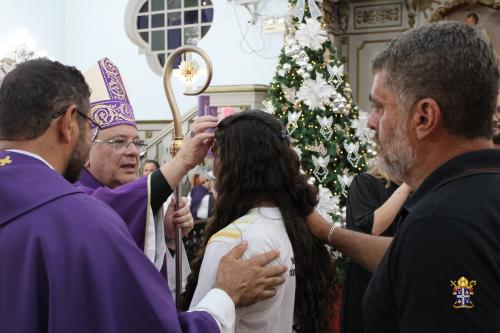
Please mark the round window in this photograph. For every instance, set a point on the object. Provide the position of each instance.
(164, 25)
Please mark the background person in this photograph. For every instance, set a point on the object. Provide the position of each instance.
(435, 134)
(149, 166)
(471, 19)
(373, 203)
(202, 198)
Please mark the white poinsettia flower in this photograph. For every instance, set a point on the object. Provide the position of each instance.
(315, 93)
(328, 204)
(291, 46)
(311, 34)
(363, 132)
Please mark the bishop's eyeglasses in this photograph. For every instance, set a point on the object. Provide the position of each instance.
(122, 144)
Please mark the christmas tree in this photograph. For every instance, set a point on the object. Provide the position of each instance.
(310, 94)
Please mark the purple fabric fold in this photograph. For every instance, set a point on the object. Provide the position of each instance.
(130, 201)
(68, 263)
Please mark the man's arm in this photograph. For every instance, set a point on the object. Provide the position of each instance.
(366, 250)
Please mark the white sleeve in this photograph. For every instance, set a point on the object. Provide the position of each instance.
(209, 267)
(154, 240)
(220, 306)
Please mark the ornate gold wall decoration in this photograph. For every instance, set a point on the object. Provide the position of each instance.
(386, 15)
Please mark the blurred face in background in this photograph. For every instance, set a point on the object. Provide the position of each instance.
(148, 168)
(204, 182)
(470, 20)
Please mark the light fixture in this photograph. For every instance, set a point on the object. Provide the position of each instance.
(250, 5)
(20, 47)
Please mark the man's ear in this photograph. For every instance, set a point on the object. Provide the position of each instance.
(67, 124)
(427, 117)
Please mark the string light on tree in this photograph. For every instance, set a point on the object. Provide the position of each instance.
(310, 95)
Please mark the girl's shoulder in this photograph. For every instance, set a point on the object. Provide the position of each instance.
(234, 231)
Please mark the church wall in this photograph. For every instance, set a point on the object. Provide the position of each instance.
(361, 28)
(44, 19)
(86, 42)
(80, 32)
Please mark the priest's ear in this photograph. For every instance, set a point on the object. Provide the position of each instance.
(67, 124)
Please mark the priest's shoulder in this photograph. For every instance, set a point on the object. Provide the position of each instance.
(80, 211)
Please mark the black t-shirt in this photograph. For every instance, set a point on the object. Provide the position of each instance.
(366, 194)
(442, 271)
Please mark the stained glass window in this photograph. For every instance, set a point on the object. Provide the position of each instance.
(164, 25)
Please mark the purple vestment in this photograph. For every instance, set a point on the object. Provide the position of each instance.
(130, 201)
(68, 263)
(197, 194)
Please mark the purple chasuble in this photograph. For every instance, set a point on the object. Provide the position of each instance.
(130, 201)
(68, 263)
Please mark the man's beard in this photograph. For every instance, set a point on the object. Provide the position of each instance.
(77, 159)
(397, 156)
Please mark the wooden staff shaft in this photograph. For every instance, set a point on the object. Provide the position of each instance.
(177, 144)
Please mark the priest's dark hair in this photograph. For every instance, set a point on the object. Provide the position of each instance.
(35, 90)
(257, 165)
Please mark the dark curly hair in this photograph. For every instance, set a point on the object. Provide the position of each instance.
(35, 90)
(257, 165)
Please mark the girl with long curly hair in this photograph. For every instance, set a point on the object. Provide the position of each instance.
(263, 199)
